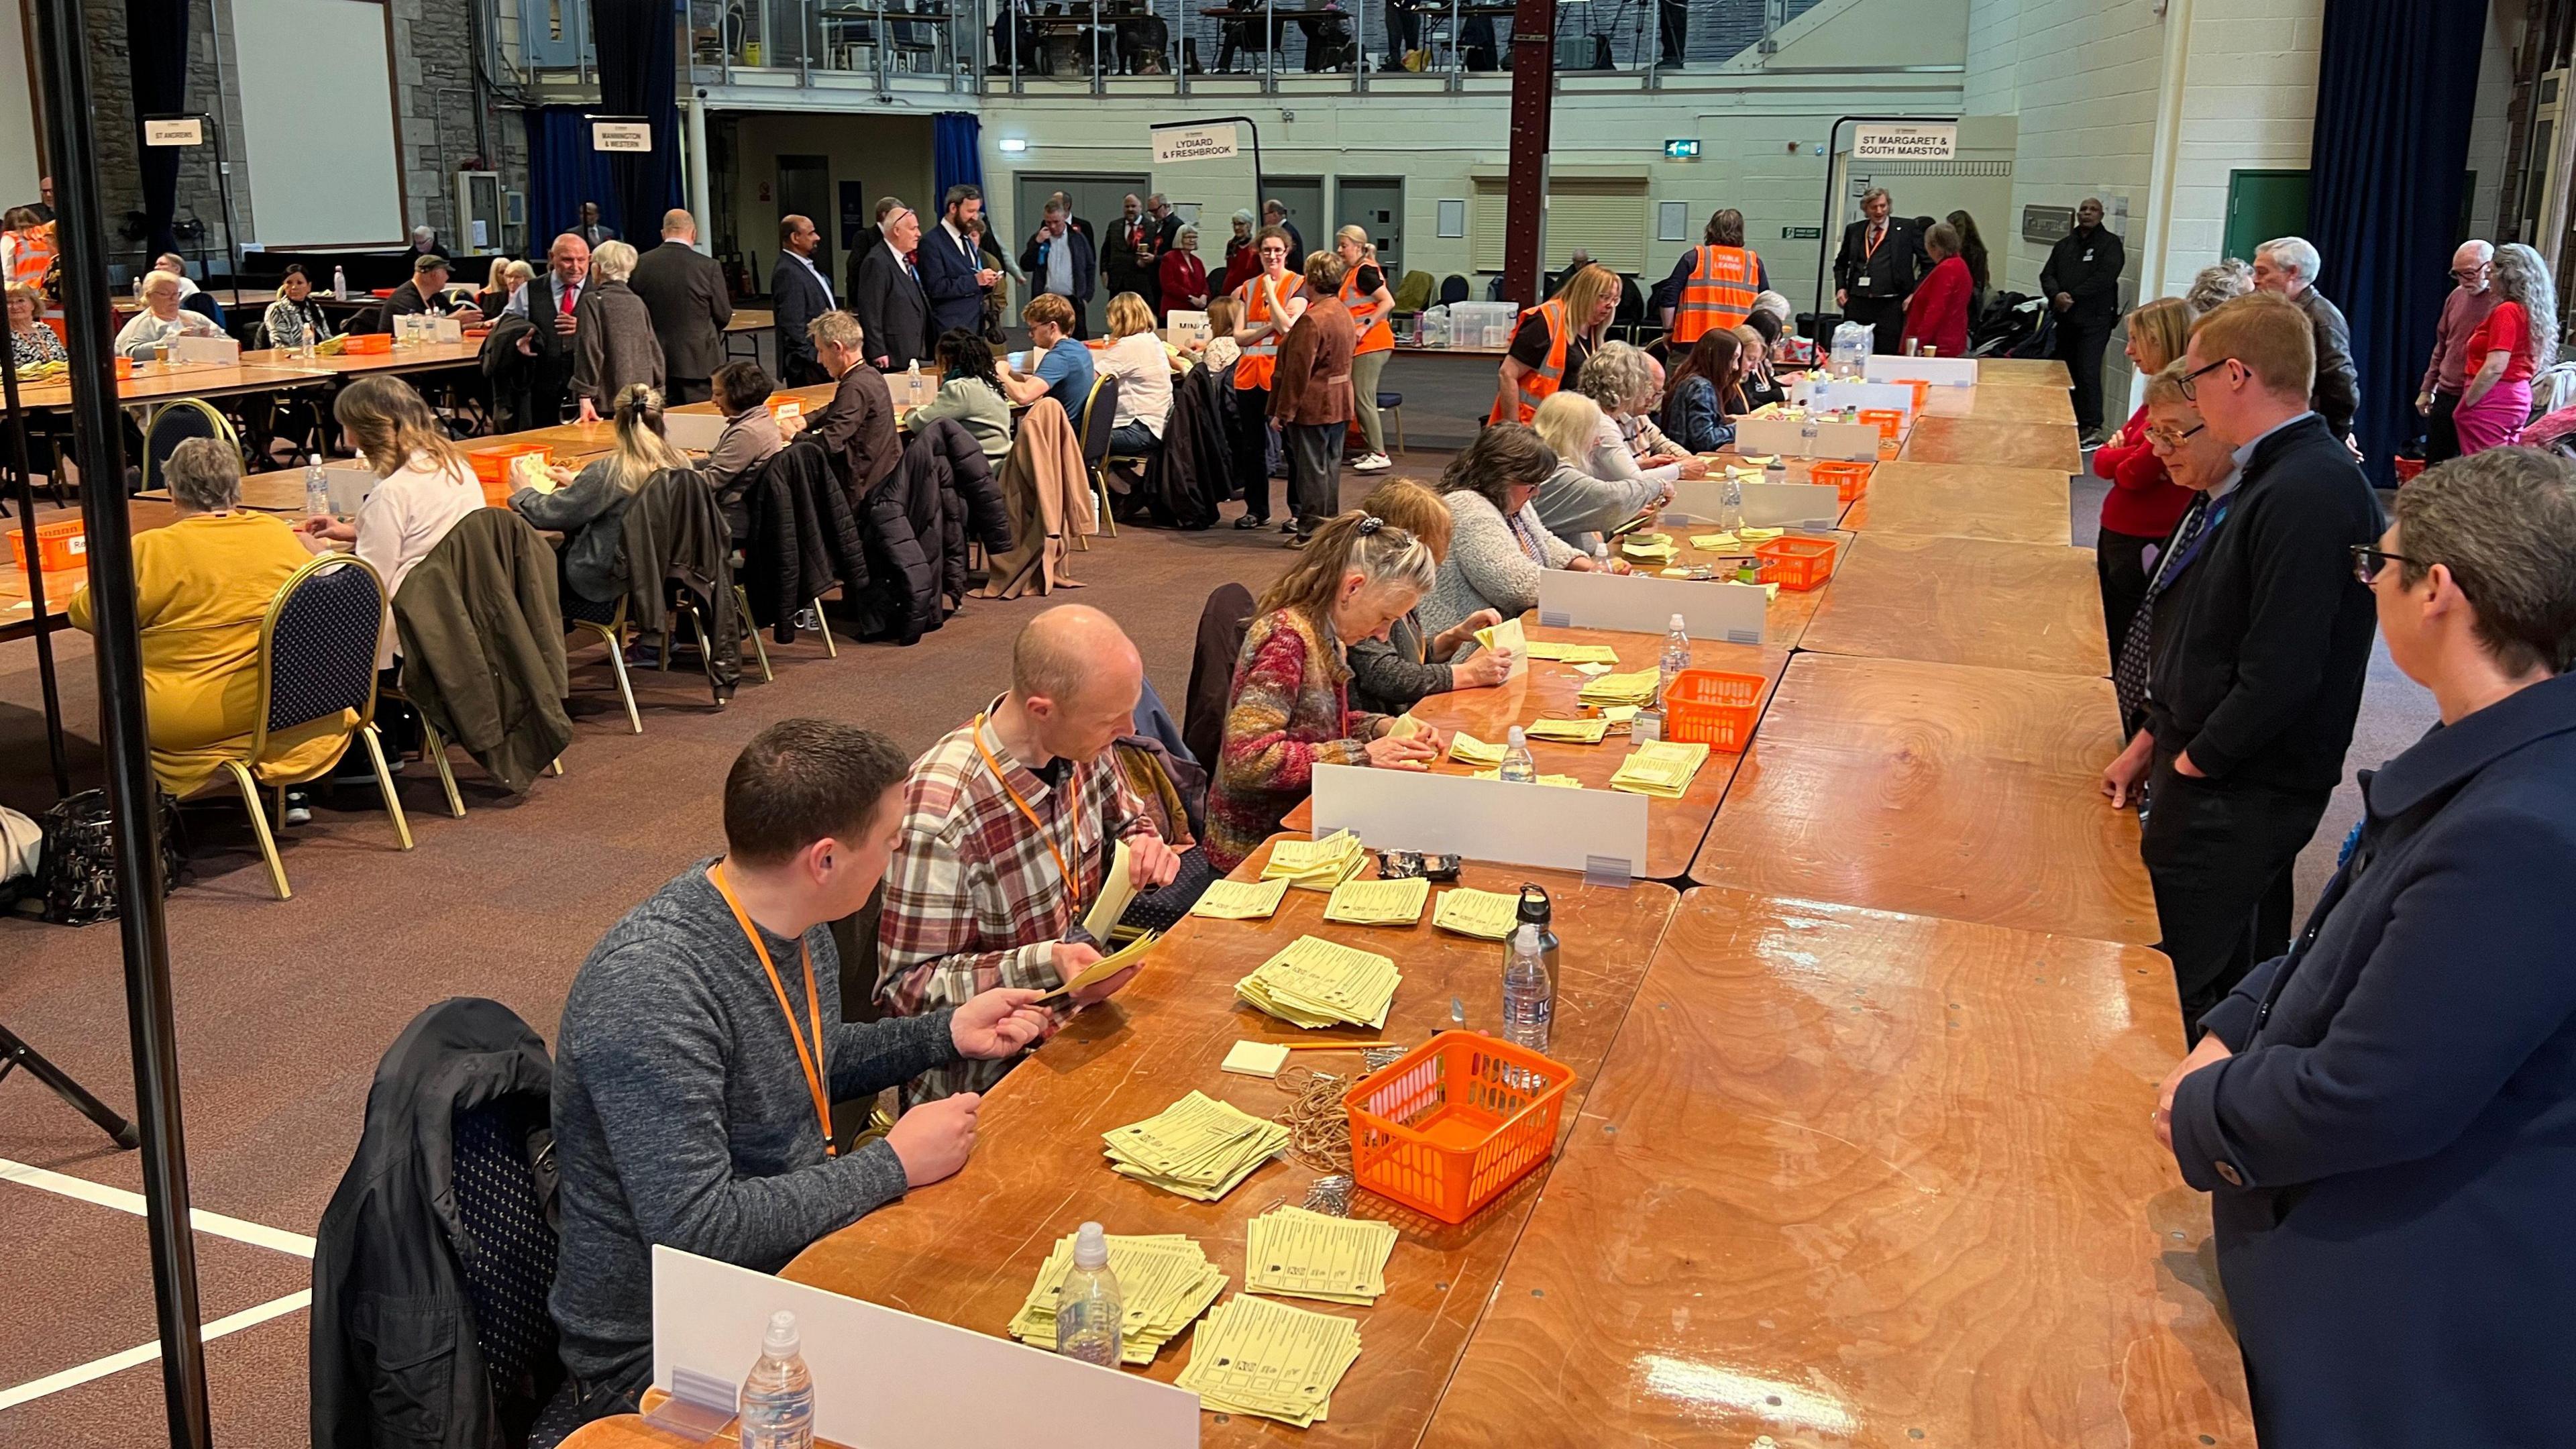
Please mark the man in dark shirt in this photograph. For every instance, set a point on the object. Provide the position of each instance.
(857, 427)
(2259, 652)
(2288, 266)
(2082, 284)
(1881, 259)
(426, 293)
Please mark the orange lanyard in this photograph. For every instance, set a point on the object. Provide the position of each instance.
(1877, 239)
(1072, 777)
(808, 1058)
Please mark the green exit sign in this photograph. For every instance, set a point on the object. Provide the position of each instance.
(1684, 149)
(1802, 233)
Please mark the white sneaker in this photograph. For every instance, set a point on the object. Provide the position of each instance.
(1372, 463)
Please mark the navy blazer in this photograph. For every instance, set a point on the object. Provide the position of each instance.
(1086, 264)
(948, 279)
(2391, 1152)
(799, 295)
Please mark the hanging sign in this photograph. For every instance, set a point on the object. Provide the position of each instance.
(1905, 141)
(175, 131)
(621, 136)
(1193, 143)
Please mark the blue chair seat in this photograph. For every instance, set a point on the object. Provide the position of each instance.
(1390, 399)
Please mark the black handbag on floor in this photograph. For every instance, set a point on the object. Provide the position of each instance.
(79, 869)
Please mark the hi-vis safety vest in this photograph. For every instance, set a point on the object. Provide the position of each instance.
(1720, 292)
(1538, 386)
(1260, 360)
(1375, 334)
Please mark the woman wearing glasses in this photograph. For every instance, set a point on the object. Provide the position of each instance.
(2194, 463)
(2144, 502)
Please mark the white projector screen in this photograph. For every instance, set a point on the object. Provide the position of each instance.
(325, 169)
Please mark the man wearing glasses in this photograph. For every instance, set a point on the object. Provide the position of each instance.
(2470, 301)
(2257, 656)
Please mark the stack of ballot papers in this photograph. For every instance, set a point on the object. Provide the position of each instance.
(1316, 865)
(1662, 769)
(1253, 1356)
(1404, 728)
(1648, 547)
(1466, 749)
(1235, 900)
(1378, 902)
(1506, 635)
(1164, 1282)
(1720, 543)
(1315, 983)
(1565, 653)
(1571, 731)
(1198, 1147)
(1489, 914)
(1636, 688)
(1131, 954)
(1302, 1254)
(1563, 782)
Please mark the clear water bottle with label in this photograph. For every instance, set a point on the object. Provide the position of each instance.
(1676, 656)
(912, 385)
(1087, 1310)
(778, 1398)
(340, 282)
(1517, 767)
(317, 489)
(1807, 437)
(1730, 503)
(1529, 1006)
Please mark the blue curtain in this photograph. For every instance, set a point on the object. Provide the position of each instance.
(957, 148)
(2396, 84)
(563, 172)
(638, 76)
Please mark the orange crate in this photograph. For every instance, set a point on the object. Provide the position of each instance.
(124, 368)
(1795, 563)
(2407, 468)
(1452, 1123)
(492, 465)
(59, 546)
(367, 344)
(1713, 707)
(1888, 421)
(1850, 480)
(1922, 394)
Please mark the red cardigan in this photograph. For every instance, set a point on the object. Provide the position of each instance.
(1180, 276)
(2143, 502)
(1937, 314)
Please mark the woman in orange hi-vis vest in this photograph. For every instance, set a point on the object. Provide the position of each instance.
(1365, 293)
(1264, 309)
(26, 248)
(1714, 284)
(1552, 341)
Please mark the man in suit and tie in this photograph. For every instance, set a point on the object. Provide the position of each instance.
(953, 274)
(889, 302)
(549, 306)
(1167, 223)
(1126, 261)
(1881, 260)
(591, 231)
(684, 289)
(800, 294)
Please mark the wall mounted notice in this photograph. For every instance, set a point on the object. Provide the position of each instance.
(1193, 143)
(1905, 141)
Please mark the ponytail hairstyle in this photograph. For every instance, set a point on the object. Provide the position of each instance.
(642, 450)
(1381, 554)
(390, 423)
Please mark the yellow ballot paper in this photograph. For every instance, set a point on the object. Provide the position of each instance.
(1301, 1254)
(1116, 889)
(1316, 865)
(1633, 688)
(1235, 900)
(1662, 769)
(1197, 1147)
(1717, 542)
(1255, 1059)
(1759, 535)
(1466, 749)
(1164, 1282)
(1620, 714)
(1378, 902)
(1108, 966)
(1404, 728)
(1508, 636)
(1314, 983)
(1253, 1356)
(1651, 547)
(1571, 731)
(1563, 652)
(1488, 914)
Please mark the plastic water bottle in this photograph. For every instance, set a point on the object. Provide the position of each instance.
(317, 489)
(778, 1398)
(1537, 910)
(1517, 767)
(1676, 656)
(340, 282)
(1730, 502)
(1529, 1006)
(1775, 471)
(1088, 1312)
(1807, 437)
(912, 384)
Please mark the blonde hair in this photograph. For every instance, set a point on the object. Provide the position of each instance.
(1128, 315)
(612, 261)
(2269, 335)
(2161, 329)
(498, 280)
(1582, 291)
(642, 449)
(1357, 234)
(1568, 422)
(1220, 315)
(1415, 507)
(390, 423)
(1354, 543)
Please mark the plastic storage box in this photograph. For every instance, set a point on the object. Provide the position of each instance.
(1448, 1126)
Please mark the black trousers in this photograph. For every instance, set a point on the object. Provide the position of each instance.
(1885, 316)
(2219, 854)
(2441, 434)
(1252, 450)
(2081, 342)
(689, 390)
(2120, 559)
(1314, 472)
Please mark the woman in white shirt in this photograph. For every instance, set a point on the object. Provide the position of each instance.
(161, 319)
(424, 485)
(1135, 357)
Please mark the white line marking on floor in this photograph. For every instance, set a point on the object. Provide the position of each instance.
(274, 1239)
(147, 1353)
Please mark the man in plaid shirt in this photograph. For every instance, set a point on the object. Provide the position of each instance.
(1004, 826)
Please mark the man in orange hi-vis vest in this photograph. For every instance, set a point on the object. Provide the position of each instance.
(1714, 284)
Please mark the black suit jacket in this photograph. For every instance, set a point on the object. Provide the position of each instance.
(948, 279)
(1891, 272)
(685, 292)
(799, 297)
(1118, 254)
(893, 309)
(2086, 268)
(551, 377)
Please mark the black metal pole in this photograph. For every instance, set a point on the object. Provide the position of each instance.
(35, 571)
(63, 38)
(1833, 206)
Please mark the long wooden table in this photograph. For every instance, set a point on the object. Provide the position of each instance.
(1965, 601)
(1992, 443)
(1853, 1178)
(159, 382)
(1966, 500)
(2023, 372)
(2001, 403)
(1937, 789)
(423, 357)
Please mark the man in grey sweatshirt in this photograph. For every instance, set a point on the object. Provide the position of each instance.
(685, 1109)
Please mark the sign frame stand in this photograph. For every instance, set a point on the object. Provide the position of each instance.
(1246, 122)
(1825, 244)
(223, 189)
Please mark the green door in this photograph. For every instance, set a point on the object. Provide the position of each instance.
(2262, 205)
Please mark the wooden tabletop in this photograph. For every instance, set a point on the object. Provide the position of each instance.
(422, 358)
(1853, 1178)
(964, 1251)
(1966, 500)
(2001, 402)
(1994, 444)
(2023, 372)
(156, 382)
(752, 319)
(17, 619)
(1551, 691)
(1938, 789)
(1965, 601)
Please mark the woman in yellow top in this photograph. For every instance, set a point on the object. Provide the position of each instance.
(202, 588)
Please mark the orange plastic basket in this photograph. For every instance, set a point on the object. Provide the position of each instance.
(59, 546)
(2407, 467)
(1888, 421)
(1713, 707)
(1795, 563)
(1850, 480)
(368, 344)
(1452, 1123)
(1922, 393)
(124, 368)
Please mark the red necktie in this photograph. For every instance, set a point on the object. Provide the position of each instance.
(567, 301)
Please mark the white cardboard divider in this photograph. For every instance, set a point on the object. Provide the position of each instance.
(697, 431)
(1636, 604)
(883, 1376)
(1845, 392)
(1766, 505)
(1938, 371)
(1482, 819)
(1851, 442)
(222, 350)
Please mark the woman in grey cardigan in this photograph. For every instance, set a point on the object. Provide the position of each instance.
(1575, 504)
(1497, 546)
(1393, 674)
(589, 508)
(614, 346)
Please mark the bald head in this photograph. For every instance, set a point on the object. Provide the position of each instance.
(1076, 676)
(678, 225)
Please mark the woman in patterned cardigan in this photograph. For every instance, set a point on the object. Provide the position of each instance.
(1290, 710)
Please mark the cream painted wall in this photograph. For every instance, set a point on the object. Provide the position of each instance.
(889, 154)
(2249, 103)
